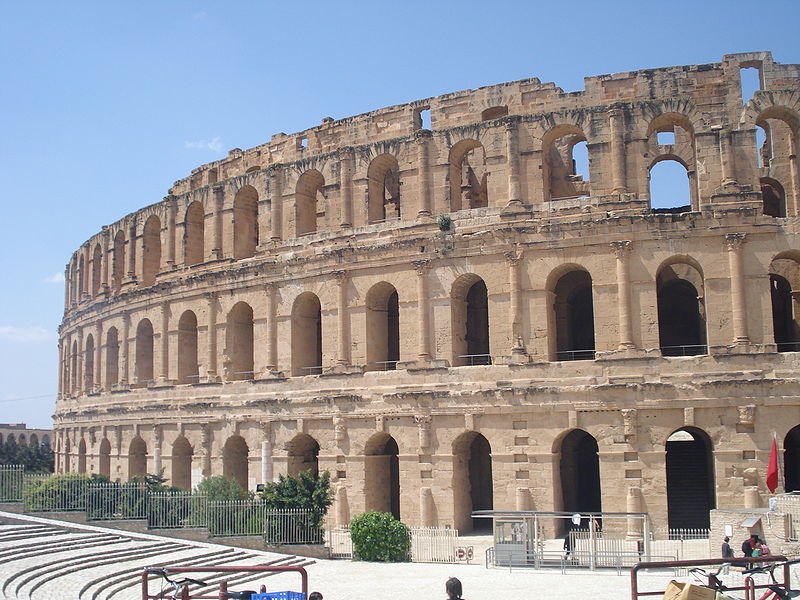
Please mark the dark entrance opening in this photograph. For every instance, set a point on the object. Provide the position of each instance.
(574, 317)
(579, 469)
(480, 479)
(681, 330)
(477, 337)
(392, 331)
(382, 485)
(791, 460)
(690, 479)
(782, 318)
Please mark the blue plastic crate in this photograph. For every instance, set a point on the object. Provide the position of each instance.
(279, 596)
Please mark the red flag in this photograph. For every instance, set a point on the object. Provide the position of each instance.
(772, 469)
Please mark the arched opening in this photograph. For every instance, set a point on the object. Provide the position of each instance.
(306, 335)
(81, 456)
(681, 312)
(573, 310)
(137, 458)
(670, 187)
(469, 176)
(194, 234)
(495, 112)
(566, 163)
(212, 176)
(791, 460)
(23, 440)
(309, 202)
(74, 362)
(470, 321)
(472, 480)
(579, 473)
(383, 327)
(234, 460)
(104, 461)
(303, 455)
(240, 342)
(181, 463)
(118, 260)
(97, 264)
(88, 370)
(144, 352)
(46, 440)
(151, 239)
(382, 475)
(187, 348)
(774, 197)
(383, 189)
(81, 278)
(690, 479)
(784, 325)
(670, 140)
(245, 222)
(112, 357)
(33, 443)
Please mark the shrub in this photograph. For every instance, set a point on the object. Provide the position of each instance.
(304, 492)
(445, 222)
(58, 492)
(218, 487)
(378, 536)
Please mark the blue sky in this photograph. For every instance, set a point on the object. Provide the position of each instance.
(104, 104)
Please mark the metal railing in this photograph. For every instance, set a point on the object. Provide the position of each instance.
(386, 365)
(177, 510)
(564, 355)
(428, 544)
(255, 517)
(315, 370)
(687, 350)
(11, 477)
(472, 360)
(114, 501)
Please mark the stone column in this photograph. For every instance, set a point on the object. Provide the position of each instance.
(512, 154)
(266, 454)
(523, 499)
(206, 440)
(60, 391)
(272, 328)
(99, 379)
(423, 169)
(426, 507)
(67, 283)
(211, 345)
(622, 251)
(164, 376)
(423, 309)
(79, 365)
(276, 205)
(343, 346)
(104, 280)
(342, 506)
(132, 253)
(157, 450)
(734, 242)
(726, 157)
(219, 202)
(794, 172)
(634, 505)
(124, 378)
(618, 175)
(515, 301)
(171, 210)
(346, 186)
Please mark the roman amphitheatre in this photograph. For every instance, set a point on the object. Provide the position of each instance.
(431, 302)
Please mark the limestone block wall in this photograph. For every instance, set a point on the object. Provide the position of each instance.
(453, 319)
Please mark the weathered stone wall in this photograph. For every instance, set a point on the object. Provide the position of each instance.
(188, 329)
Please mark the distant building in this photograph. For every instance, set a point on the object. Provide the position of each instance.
(19, 433)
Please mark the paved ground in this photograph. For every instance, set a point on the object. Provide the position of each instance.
(43, 559)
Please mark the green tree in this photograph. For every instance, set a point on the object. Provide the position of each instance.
(218, 487)
(303, 492)
(378, 536)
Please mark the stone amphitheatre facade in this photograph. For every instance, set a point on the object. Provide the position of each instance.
(448, 317)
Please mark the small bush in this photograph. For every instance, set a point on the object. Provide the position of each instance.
(378, 536)
(445, 222)
(218, 488)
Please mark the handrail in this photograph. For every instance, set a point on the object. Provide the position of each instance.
(223, 585)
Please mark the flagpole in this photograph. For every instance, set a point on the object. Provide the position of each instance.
(780, 464)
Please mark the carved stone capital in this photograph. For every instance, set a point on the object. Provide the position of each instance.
(620, 248)
(421, 266)
(734, 241)
(513, 257)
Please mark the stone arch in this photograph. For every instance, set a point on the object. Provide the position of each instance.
(104, 459)
(151, 255)
(188, 371)
(469, 307)
(88, 361)
(245, 222)
(97, 268)
(46, 440)
(558, 166)
(194, 234)
(234, 460)
(784, 276)
(469, 175)
(303, 455)
(773, 196)
(118, 260)
(181, 463)
(306, 335)
(382, 474)
(82, 456)
(383, 327)
(309, 198)
(494, 112)
(144, 352)
(137, 458)
(578, 472)
(34, 441)
(791, 460)
(690, 478)
(112, 357)
(239, 343)
(680, 109)
(572, 313)
(473, 487)
(383, 189)
(681, 307)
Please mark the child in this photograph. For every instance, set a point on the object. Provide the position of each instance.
(453, 589)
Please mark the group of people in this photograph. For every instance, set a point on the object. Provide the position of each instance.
(452, 587)
(751, 547)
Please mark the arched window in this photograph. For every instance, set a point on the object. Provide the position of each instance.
(468, 176)
(309, 202)
(187, 348)
(306, 335)
(560, 169)
(112, 357)
(118, 266)
(579, 473)
(670, 143)
(383, 327)
(382, 475)
(778, 155)
(245, 222)
(104, 460)
(97, 264)
(81, 278)
(240, 342)
(495, 112)
(34, 440)
(181, 463)
(681, 310)
(774, 197)
(151, 260)
(670, 187)
(573, 316)
(82, 456)
(137, 458)
(144, 352)
(784, 277)
(234, 460)
(473, 487)
(74, 361)
(690, 479)
(88, 370)
(194, 234)
(383, 189)
(303, 454)
(470, 321)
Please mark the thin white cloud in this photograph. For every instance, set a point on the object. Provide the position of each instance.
(199, 15)
(9, 333)
(55, 278)
(215, 145)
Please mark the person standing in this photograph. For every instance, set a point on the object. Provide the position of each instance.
(453, 589)
(727, 551)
